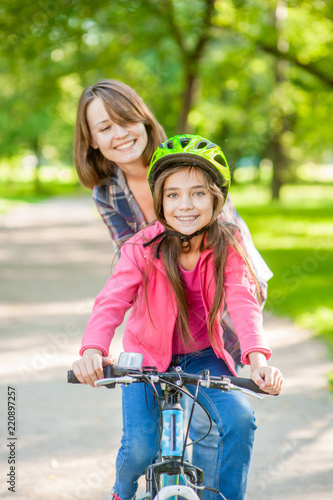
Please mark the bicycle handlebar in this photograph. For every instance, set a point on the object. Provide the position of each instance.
(115, 374)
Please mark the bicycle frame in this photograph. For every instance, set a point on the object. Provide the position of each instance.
(164, 475)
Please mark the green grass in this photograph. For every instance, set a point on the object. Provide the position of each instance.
(295, 237)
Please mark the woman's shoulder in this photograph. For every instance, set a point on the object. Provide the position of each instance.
(115, 180)
(101, 192)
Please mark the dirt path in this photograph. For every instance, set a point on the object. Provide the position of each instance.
(55, 257)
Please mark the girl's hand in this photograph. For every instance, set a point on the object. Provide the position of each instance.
(268, 378)
(89, 368)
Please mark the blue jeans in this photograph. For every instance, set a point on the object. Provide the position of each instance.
(230, 411)
(204, 453)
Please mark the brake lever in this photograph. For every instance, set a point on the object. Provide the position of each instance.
(126, 379)
(247, 392)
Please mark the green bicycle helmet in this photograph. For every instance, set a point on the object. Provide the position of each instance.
(189, 150)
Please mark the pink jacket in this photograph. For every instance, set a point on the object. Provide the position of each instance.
(149, 330)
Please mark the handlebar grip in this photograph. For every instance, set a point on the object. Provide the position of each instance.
(109, 371)
(247, 383)
(71, 378)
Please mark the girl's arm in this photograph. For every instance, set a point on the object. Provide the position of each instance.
(108, 313)
(268, 378)
(246, 316)
(243, 307)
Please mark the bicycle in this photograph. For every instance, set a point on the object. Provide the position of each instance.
(171, 475)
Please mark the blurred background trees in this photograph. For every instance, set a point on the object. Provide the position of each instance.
(255, 76)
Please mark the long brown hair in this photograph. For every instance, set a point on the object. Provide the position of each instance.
(218, 235)
(124, 106)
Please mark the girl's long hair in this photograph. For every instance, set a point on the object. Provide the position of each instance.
(218, 236)
(124, 106)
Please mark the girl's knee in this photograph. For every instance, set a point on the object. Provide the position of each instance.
(132, 460)
(243, 420)
(247, 420)
(237, 418)
(140, 447)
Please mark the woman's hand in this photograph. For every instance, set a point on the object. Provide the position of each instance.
(89, 368)
(268, 378)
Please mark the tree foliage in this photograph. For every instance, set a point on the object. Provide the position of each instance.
(256, 76)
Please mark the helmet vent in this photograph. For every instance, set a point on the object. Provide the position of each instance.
(220, 160)
(184, 142)
(170, 145)
(201, 144)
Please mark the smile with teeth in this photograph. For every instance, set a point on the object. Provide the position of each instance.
(187, 218)
(127, 145)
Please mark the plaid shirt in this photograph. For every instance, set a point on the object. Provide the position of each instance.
(123, 217)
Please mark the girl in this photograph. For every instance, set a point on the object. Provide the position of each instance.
(195, 264)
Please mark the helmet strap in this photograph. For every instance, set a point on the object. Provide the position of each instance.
(168, 232)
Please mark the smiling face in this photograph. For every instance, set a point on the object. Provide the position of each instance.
(187, 201)
(122, 144)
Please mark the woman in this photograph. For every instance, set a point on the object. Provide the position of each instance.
(115, 137)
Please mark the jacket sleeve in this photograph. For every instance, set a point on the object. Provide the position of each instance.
(114, 300)
(243, 307)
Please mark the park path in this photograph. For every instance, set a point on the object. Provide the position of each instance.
(55, 257)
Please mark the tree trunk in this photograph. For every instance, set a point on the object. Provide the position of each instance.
(188, 99)
(38, 188)
(279, 163)
(191, 57)
(279, 159)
